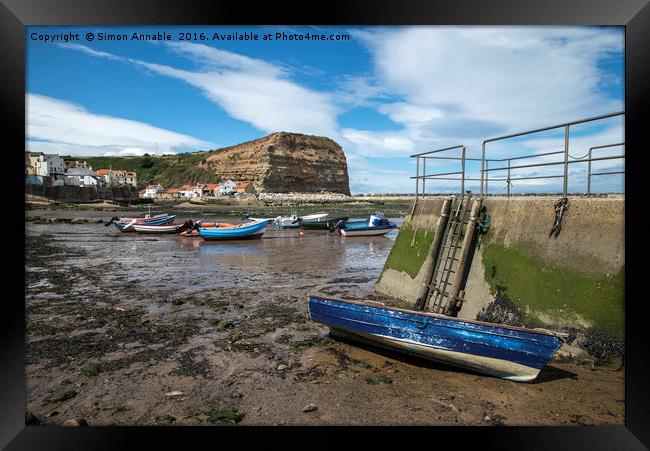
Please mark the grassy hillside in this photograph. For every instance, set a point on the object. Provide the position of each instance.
(171, 171)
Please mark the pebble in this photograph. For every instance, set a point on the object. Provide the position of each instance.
(75, 422)
(282, 367)
(310, 408)
(173, 393)
(487, 418)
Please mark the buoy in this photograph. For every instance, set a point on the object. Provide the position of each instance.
(301, 233)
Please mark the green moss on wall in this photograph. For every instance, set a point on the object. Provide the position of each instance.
(408, 253)
(546, 292)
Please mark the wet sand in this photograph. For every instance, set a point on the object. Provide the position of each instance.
(128, 329)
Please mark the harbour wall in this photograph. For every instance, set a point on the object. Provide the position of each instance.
(69, 193)
(519, 275)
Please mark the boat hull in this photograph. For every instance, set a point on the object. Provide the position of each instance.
(127, 224)
(370, 231)
(508, 352)
(323, 224)
(164, 228)
(240, 232)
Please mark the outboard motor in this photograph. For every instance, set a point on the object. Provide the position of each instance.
(339, 225)
(113, 219)
(187, 225)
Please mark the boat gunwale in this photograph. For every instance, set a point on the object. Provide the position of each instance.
(376, 304)
(474, 341)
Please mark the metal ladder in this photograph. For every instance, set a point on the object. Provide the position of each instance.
(440, 300)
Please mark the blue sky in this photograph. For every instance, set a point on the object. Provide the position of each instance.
(384, 94)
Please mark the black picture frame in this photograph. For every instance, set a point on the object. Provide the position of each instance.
(633, 14)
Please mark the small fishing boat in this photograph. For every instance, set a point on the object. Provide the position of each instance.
(124, 224)
(509, 352)
(245, 231)
(193, 232)
(163, 228)
(286, 222)
(321, 223)
(375, 225)
(294, 221)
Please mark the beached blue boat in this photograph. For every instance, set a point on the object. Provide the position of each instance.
(245, 231)
(510, 352)
(374, 225)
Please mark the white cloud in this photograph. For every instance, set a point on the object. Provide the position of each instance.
(62, 127)
(249, 89)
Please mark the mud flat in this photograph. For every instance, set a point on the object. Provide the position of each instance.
(127, 329)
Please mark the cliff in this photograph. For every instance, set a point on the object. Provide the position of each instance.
(283, 162)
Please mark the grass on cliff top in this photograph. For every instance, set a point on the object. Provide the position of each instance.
(557, 293)
(410, 250)
(171, 171)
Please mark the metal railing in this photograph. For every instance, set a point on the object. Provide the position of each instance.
(421, 162)
(590, 174)
(441, 175)
(565, 176)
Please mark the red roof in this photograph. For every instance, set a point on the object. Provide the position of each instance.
(173, 190)
(102, 171)
(152, 186)
(243, 185)
(187, 188)
(212, 186)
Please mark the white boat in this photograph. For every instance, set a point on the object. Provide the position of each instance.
(163, 228)
(294, 221)
(286, 222)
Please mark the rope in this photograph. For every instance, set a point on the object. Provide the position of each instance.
(578, 158)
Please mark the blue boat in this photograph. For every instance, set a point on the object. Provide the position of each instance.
(510, 352)
(375, 225)
(245, 231)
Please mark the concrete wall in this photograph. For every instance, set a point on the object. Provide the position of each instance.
(82, 194)
(520, 276)
(401, 277)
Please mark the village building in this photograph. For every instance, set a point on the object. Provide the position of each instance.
(80, 174)
(209, 189)
(227, 187)
(187, 191)
(110, 177)
(213, 189)
(118, 177)
(45, 165)
(171, 193)
(152, 190)
(245, 187)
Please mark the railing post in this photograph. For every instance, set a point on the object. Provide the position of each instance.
(487, 175)
(566, 161)
(462, 176)
(417, 175)
(508, 182)
(589, 174)
(424, 176)
(482, 165)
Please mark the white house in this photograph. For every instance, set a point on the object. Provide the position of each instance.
(226, 187)
(81, 175)
(152, 190)
(187, 191)
(47, 165)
